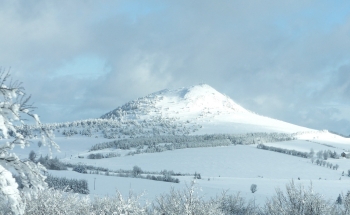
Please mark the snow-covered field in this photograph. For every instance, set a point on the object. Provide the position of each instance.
(231, 168)
(194, 111)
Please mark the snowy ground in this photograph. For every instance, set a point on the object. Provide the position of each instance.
(231, 168)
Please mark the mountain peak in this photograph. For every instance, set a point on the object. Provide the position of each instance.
(194, 99)
(200, 90)
(186, 92)
(197, 105)
(206, 97)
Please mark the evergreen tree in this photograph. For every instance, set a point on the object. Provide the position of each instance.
(339, 200)
(32, 156)
(253, 188)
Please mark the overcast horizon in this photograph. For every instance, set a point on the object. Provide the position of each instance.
(287, 60)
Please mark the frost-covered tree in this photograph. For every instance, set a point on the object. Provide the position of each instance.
(136, 171)
(319, 154)
(311, 153)
(14, 109)
(186, 202)
(253, 188)
(297, 200)
(325, 155)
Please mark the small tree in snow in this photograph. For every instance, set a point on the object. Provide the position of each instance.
(32, 156)
(253, 188)
(311, 153)
(339, 200)
(14, 108)
(136, 170)
(325, 155)
(320, 154)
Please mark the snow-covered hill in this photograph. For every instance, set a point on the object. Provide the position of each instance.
(197, 129)
(199, 105)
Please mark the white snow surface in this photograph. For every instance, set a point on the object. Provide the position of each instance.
(232, 168)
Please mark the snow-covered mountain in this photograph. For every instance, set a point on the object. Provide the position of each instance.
(199, 105)
(196, 130)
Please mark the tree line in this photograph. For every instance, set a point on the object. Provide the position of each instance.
(189, 141)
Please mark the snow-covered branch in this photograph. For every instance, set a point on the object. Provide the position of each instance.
(14, 110)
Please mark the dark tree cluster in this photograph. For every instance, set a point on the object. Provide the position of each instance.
(47, 162)
(101, 156)
(68, 185)
(61, 183)
(284, 151)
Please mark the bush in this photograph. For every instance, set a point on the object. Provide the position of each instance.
(94, 156)
(185, 202)
(297, 200)
(70, 185)
(136, 171)
(234, 204)
(53, 164)
(100, 155)
(197, 175)
(166, 178)
(52, 202)
(253, 188)
(80, 169)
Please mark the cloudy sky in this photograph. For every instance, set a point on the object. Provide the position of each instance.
(288, 59)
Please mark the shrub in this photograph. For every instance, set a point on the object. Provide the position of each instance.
(235, 204)
(71, 185)
(297, 200)
(100, 155)
(136, 171)
(253, 188)
(53, 164)
(185, 202)
(80, 169)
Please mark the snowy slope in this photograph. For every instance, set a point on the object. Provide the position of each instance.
(201, 105)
